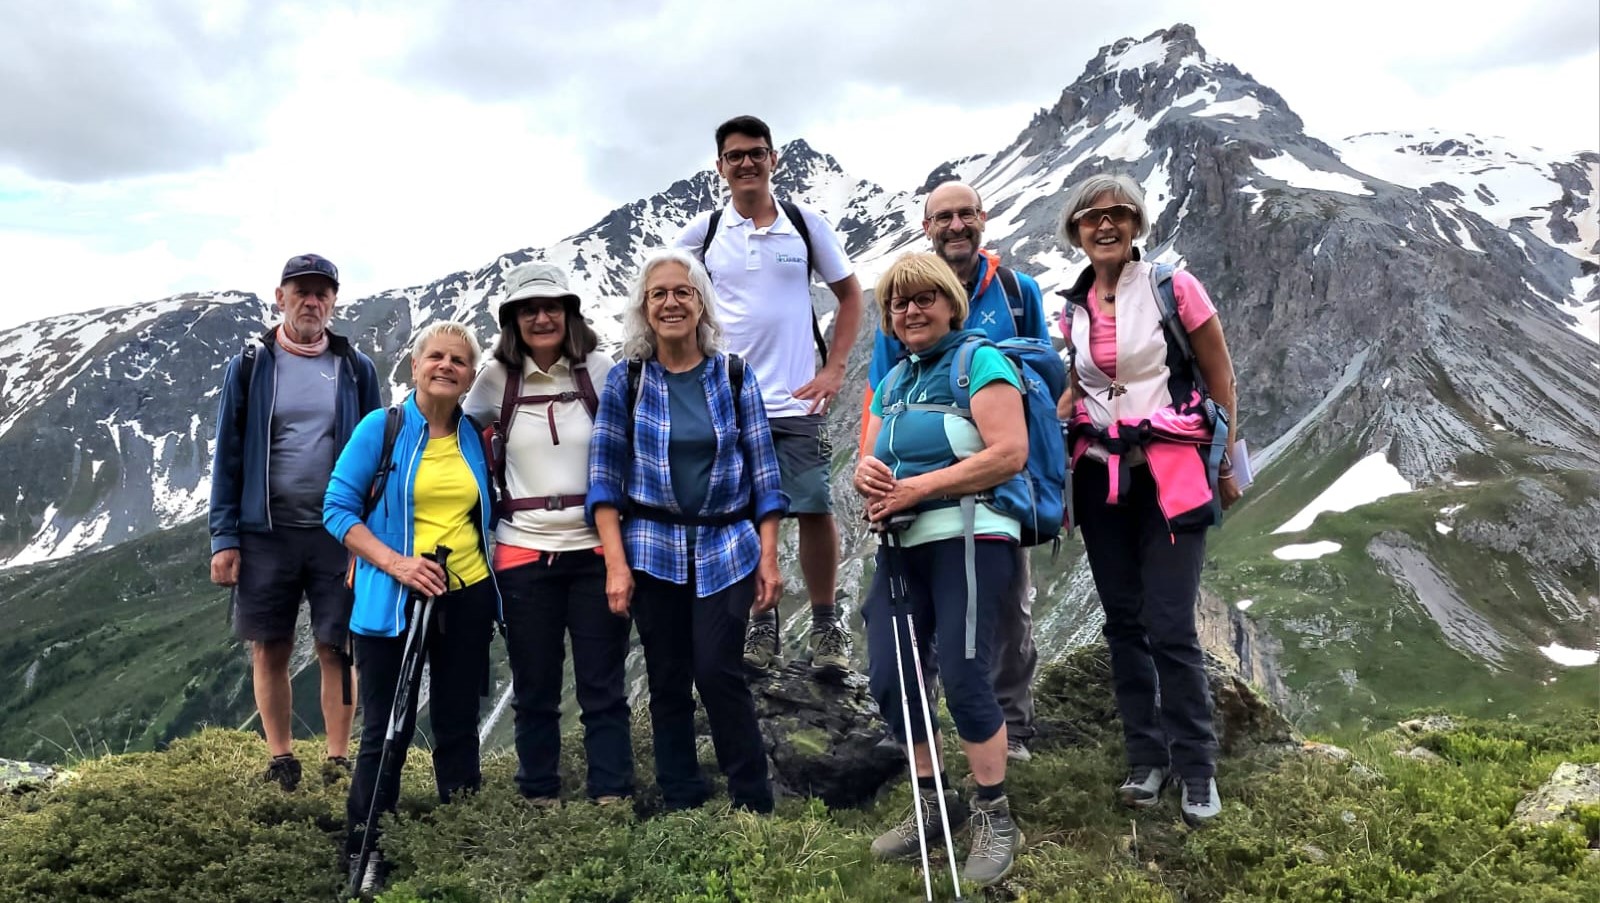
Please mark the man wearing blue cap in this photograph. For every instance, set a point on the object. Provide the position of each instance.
(288, 404)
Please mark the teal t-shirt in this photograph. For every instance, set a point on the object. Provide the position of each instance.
(691, 440)
(918, 442)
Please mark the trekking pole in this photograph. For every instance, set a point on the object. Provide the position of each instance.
(897, 574)
(899, 600)
(410, 676)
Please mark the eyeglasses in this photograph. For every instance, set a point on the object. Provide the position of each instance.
(551, 309)
(684, 294)
(756, 155)
(969, 215)
(923, 301)
(1119, 214)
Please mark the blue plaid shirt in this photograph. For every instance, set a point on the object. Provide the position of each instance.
(745, 470)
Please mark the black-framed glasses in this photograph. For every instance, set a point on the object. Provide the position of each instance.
(683, 294)
(969, 215)
(923, 301)
(554, 309)
(756, 155)
(1119, 214)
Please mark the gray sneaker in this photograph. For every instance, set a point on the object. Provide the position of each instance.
(995, 842)
(1201, 803)
(1017, 751)
(900, 841)
(761, 645)
(1141, 789)
(830, 648)
(371, 881)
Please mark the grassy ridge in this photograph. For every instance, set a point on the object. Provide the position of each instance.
(194, 823)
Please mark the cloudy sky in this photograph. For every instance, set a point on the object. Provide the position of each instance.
(154, 146)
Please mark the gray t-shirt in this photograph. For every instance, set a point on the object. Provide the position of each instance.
(301, 459)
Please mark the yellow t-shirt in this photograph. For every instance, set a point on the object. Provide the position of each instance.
(444, 495)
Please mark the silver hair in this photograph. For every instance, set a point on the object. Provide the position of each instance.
(1083, 195)
(638, 339)
(447, 327)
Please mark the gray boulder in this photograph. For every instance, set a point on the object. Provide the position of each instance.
(822, 738)
(1558, 799)
(20, 777)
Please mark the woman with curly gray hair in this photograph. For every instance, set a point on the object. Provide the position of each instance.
(1149, 444)
(685, 494)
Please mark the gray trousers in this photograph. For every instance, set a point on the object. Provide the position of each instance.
(1015, 658)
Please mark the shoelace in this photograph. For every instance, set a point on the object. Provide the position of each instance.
(761, 632)
(986, 841)
(833, 640)
(1138, 775)
(1197, 791)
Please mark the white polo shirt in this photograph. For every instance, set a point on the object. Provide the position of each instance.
(764, 295)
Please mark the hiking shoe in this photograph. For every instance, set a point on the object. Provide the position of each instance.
(830, 648)
(284, 771)
(900, 841)
(372, 880)
(336, 767)
(543, 802)
(761, 644)
(1141, 789)
(1200, 800)
(1017, 751)
(995, 842)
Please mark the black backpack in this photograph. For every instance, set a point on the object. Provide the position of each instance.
(798, 220)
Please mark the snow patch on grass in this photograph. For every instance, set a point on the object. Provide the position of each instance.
(1369, 480)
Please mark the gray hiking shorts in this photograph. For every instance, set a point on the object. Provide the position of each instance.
(804, 457)
(279, 569)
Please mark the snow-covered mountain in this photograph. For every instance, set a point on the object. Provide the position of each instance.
(1424, 296)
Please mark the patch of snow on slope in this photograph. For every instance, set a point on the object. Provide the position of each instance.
(1370, 479)
(1238, 108)
(1138, 56)
(1289, 169)
(1309, 551)
(1129, 143)
(1571, 658)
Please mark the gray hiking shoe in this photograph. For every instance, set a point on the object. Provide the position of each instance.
(1201, 803)
(284, 771)
(761, 645)
(1141, 789)
(1017, 751)
(830, 648)
(995, 842)
(900, 841)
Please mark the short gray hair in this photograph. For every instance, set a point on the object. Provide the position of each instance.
(1083, 195)
(638, 339)
(451, 328)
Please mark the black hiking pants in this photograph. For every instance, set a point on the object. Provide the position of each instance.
(457, 651)
(1149, 582)
(565, 593)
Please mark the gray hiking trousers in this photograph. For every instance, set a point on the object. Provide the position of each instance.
(1015, 657)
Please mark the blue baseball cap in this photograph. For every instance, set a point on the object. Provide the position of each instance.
(310, 265)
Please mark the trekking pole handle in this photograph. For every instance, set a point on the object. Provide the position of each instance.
(439, 556)
(894, 525)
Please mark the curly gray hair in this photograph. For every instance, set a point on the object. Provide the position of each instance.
(638, 339)
(1085, 193)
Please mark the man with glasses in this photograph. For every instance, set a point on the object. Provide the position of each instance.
(761, 260)
(1004, 304)
(288, 404)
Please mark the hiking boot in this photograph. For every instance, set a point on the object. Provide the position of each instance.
(830, 648)
(372, 880)
(995, 842)
(284, 771)
(1141, 789)
(1017, 751)
(761, 645)
(543, 802)
(1201, 803)
(900, 841)
(336, 767)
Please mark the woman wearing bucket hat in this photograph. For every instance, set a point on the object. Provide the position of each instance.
(539, 392)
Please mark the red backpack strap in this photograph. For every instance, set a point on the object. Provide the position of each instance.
(502, 429)
(591, 401)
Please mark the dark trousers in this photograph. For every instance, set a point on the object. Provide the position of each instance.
(561, 593)
(457, 651)
(1015, 657)
(936, 582)
(699, 643)
(1149, 579)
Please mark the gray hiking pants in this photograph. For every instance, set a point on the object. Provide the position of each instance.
(1015, 658)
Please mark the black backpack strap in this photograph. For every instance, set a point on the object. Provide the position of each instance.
(1172, 323)
(736, 383)
(635, 378)
(1013, 292)
(798, 220)
(380, 478)
(711, 232)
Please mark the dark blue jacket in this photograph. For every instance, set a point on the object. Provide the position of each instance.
(244, 433)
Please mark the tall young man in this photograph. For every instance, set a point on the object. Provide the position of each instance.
(953, 219)
(288, 405)
(761, 268)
